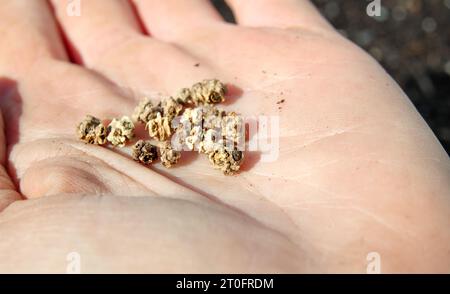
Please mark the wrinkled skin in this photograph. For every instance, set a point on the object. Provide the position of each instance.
(358, 170)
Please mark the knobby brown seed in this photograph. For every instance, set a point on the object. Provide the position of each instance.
(144, 111)
(229, 162)
(92, 131)
(170, 108)
(169, 156)
(208, 92)
(144, 152)
(184, 96)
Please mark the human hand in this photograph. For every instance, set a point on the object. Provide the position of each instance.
(358, 170)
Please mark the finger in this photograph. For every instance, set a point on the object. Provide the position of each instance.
(28, 33)
(96, 25)
(169, 18)
(278, 13)
(8, 194)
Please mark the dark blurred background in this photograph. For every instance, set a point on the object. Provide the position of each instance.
(411, 39)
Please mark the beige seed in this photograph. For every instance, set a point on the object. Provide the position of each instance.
(120, 131)
(159, 127)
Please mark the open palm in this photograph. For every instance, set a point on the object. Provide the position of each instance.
(357, 170)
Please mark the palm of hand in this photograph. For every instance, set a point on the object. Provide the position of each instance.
(274, 216)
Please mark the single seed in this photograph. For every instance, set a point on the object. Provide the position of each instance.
(144, 152)
(145, 111)
(184, 96)
(92, 131)
(170, 107)
(120, 131)
(169, 156)
(159, 127)
(228, 162)
(208, 92)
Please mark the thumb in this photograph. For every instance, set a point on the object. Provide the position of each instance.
(8, 193)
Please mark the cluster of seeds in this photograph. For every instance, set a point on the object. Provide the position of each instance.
(92, 131)
(214, 132)
(187, 122)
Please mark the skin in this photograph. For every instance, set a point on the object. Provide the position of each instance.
(358, 169)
